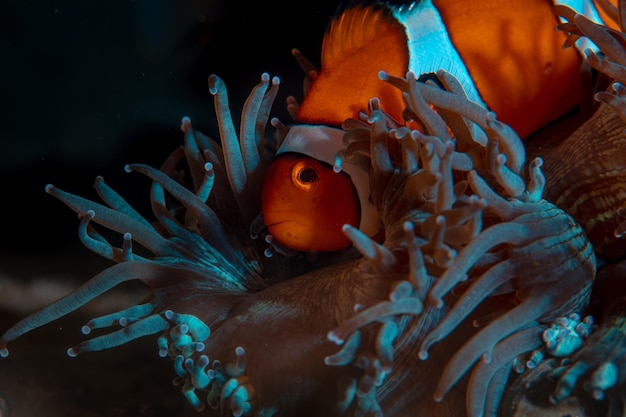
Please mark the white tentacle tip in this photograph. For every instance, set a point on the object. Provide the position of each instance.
(436, 302)
(491, 117)
(185, 123)
(334, 337)
(213, 80)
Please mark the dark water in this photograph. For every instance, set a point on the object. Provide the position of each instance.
(90, 86)
(85, 88)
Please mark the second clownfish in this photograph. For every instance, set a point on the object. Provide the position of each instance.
(521, 73)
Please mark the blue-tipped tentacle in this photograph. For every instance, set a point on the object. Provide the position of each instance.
(386, 309)
(144, 327)
(239, 367)
(433, 124)
(249, 148)
(122, 318)
(384, 345)
(94, 241)
(504, 354)
(197, 371)
(418, 275)
(241, 160)
(210, 225)
(380, 258)
(488, 239)
(193, 155)
(203, 191)
(117, 202)
(513, 184)
(147, 236)
(263, 113)
(483, 343)
(98, 285)
(347, 353)
(198, 329)
(476, 294)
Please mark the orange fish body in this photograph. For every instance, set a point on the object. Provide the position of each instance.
(521, 73)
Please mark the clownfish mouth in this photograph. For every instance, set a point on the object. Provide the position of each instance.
(305, 237)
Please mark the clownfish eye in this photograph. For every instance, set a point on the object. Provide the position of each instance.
(305, 175)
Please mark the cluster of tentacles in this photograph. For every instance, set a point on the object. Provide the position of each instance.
(459, 234)
(462, 224)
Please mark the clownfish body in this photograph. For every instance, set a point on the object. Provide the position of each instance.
(521, 73)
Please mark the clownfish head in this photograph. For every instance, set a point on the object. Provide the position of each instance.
(306, 202)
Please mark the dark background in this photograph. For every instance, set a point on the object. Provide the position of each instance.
(85, 88)
(89, 86)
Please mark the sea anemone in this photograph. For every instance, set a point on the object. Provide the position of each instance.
(485, 267)
(251, 334)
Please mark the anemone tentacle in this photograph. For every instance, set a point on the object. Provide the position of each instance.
(98, 285)
(147, 236)
(210, 226)
(483, 344)
(123, 318)
(144, 327)
(482, 377)
(242, 156)
(92, 240)
(116, 201)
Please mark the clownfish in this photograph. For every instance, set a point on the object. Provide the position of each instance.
(520, 72)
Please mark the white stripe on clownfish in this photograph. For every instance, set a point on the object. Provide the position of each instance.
(424, 27)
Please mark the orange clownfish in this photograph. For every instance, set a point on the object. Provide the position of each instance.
(521, 73)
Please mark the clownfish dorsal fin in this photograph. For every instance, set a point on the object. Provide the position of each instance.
(360, 41)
